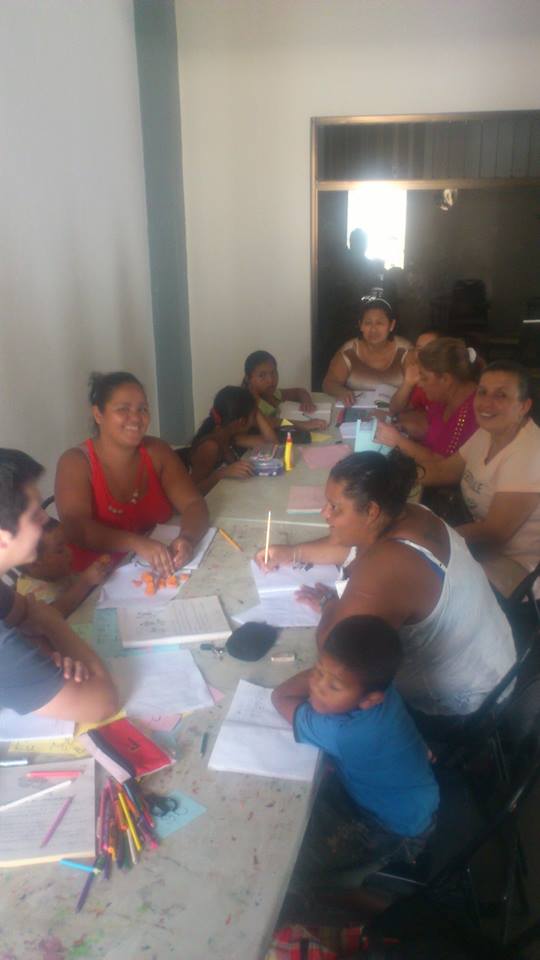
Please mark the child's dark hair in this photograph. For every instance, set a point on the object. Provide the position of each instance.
(230, 403)
(368, 647)
(374, 477)
(520, 374)
(102, 385)
(52, 524)
(17, 469)
(254, 360)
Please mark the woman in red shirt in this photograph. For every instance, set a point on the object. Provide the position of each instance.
(112, 490)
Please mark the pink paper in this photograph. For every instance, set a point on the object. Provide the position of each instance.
(217, 695)
(164, 723)
(306, 500)
(318, 458)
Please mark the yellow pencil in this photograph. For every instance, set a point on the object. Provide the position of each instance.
(129, 821)
(230, 540)
(267, 537)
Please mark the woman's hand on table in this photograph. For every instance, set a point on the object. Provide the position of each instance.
(388, 434)
(157, 555)
(239, 470)
(306, 402)
(346, 396)
(181, 550)
(316, 597)
(278, 556)
(71, 669)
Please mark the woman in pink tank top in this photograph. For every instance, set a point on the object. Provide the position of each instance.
(112, 490)
(449, 372)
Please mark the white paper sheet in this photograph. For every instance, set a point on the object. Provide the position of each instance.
(164, 682)
(120, 590)
(279, 611)
(31, 727)
(288, 410)
(23, 828)
(372, 397)
(289, 579)
(255, 738)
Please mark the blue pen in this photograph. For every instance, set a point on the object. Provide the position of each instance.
(79, 866)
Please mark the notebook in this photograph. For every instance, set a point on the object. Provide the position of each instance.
(181, 621)
(288, 579)
(13, 726)
(289, 410)
(23, 828)
(255, 738)
(124, 751)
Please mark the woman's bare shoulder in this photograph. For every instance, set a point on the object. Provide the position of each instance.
(75, 459)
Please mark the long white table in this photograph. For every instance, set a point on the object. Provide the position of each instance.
(214, 888)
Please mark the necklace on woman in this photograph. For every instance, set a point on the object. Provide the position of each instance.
(136, 494)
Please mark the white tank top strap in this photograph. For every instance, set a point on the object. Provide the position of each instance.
(424, 551)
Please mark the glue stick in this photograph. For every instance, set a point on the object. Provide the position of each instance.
(287, 453)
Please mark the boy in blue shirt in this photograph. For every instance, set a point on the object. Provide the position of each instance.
(380, 804)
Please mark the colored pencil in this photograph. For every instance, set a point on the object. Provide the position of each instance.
(230, 540)
(57, 820)
(32, 796)
(267, 536)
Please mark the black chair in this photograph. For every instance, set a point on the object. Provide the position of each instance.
(521, 607)
(481, 798)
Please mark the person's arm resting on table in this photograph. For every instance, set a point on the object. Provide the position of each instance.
(186, 499)
(30, 680)
(335, 381)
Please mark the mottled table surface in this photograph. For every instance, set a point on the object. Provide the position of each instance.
(213, 890)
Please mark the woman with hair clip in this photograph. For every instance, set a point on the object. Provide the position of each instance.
(372, 358)
(113, 489)
(409, 568)
(212, 456)
(448, 374)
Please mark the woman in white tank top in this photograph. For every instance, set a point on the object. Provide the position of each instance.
(409, 568)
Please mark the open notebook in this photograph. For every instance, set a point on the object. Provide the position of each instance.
(23, 828)
(255, 738)
(180, 621)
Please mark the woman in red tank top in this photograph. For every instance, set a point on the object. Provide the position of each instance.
(111, 491)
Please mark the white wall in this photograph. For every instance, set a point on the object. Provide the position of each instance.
(252, 73)
(74, 273)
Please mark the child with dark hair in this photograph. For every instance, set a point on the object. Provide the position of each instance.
(382, 800)
(212, 455)
(49, 577)
(261, 379)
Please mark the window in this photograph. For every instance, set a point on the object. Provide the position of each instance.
(380, 209)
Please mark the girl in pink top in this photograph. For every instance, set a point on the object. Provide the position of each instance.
(448, 375)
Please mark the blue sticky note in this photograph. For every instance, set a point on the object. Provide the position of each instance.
(186, 811)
